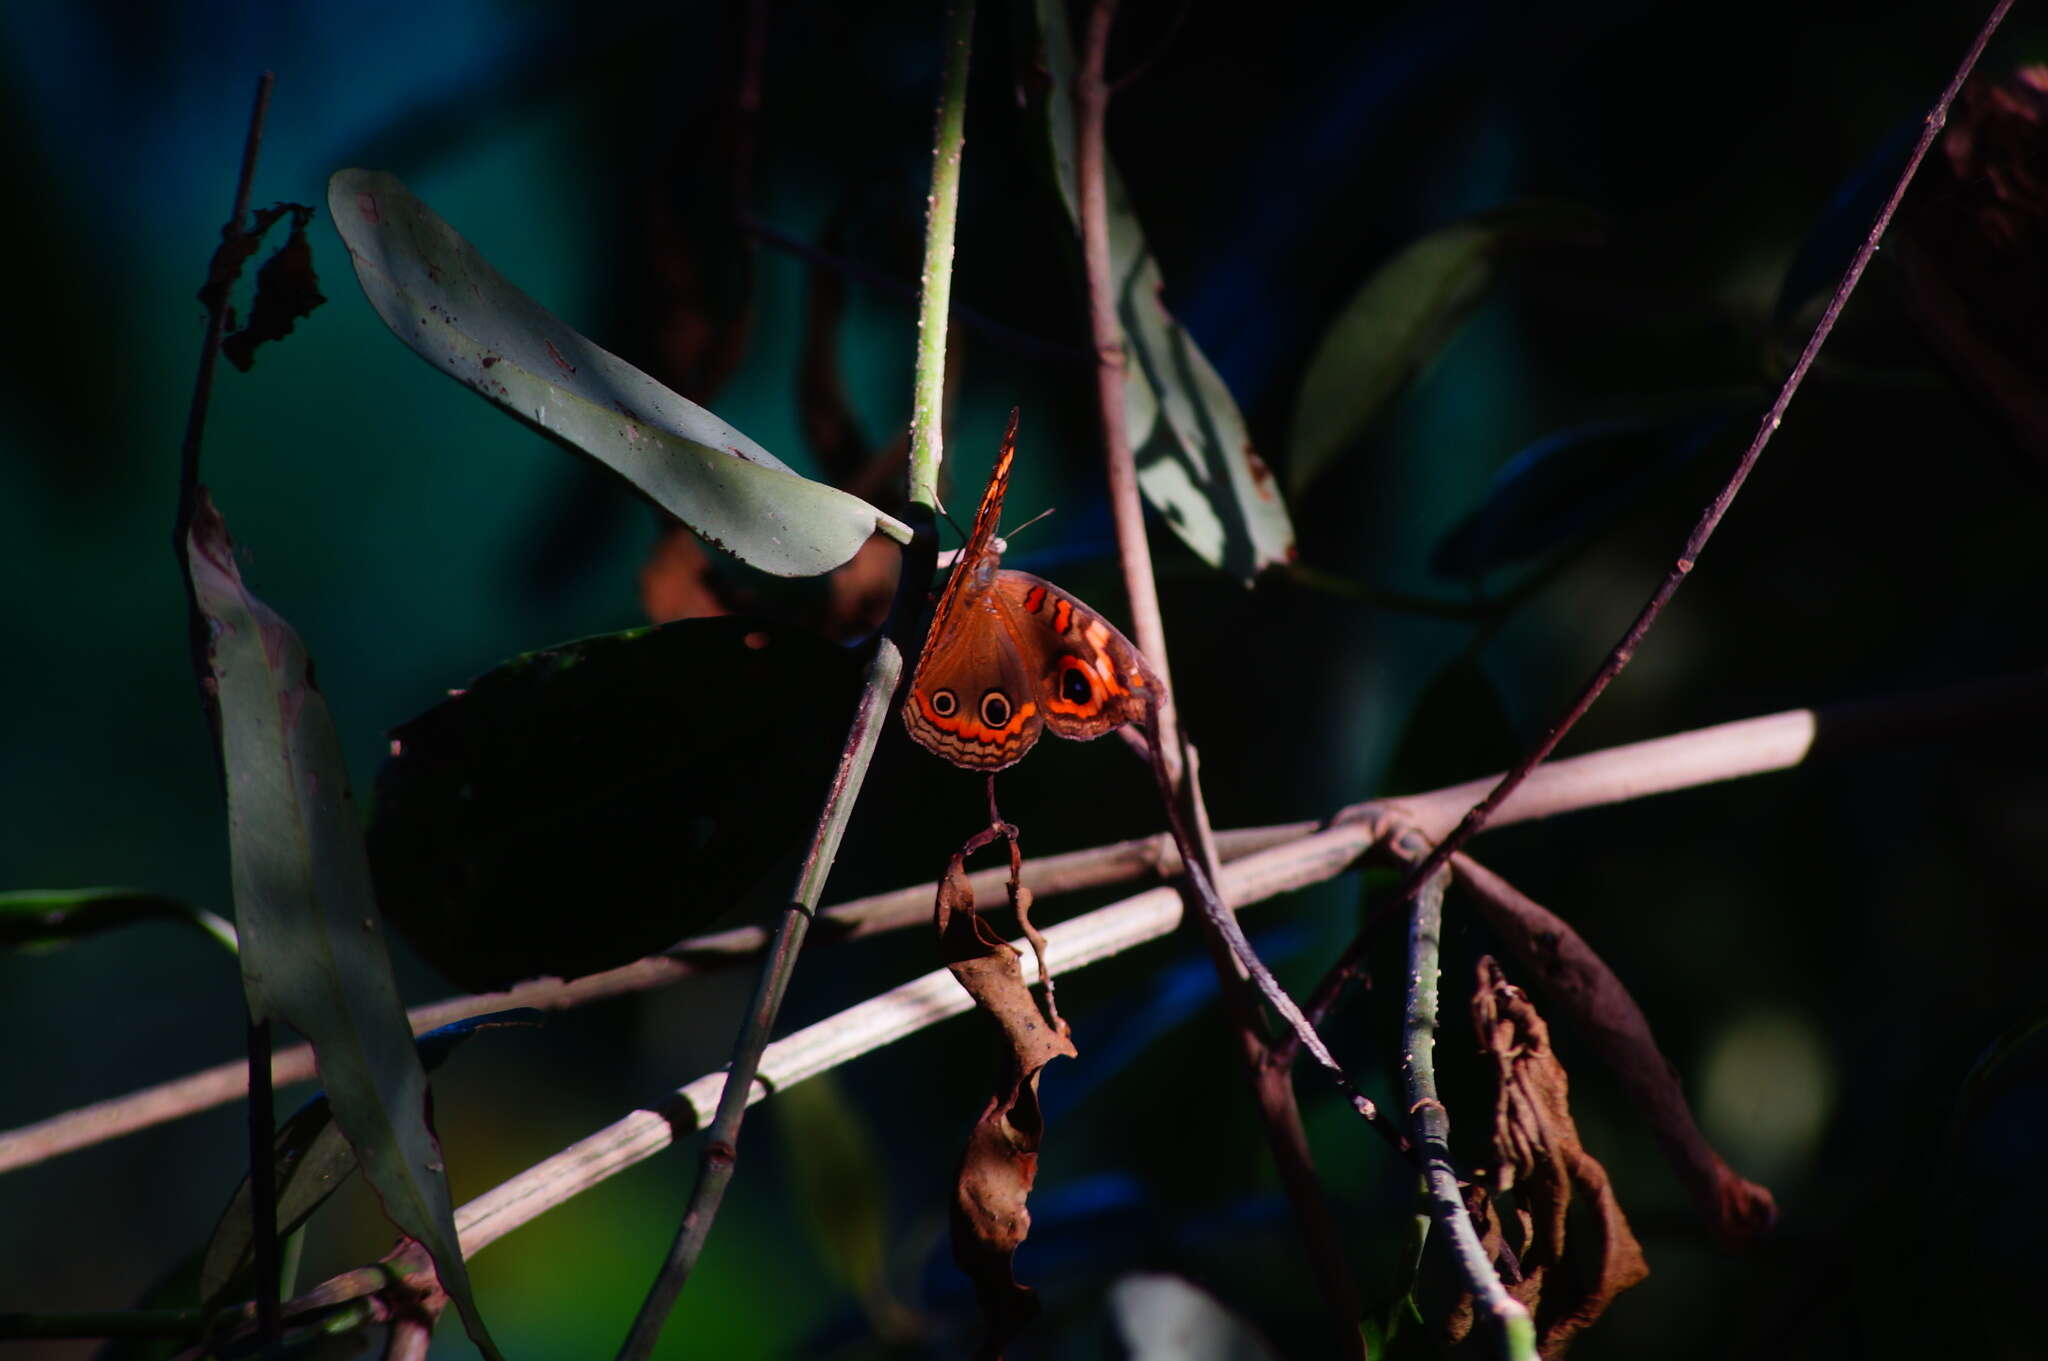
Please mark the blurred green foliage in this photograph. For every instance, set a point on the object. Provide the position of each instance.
(1883, 911)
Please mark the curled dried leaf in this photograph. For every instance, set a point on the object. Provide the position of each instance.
(1566, 1282)
(287, 288)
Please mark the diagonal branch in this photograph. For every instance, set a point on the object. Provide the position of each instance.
(1702, 530)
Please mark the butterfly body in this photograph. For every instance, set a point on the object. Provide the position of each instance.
(1010, 655)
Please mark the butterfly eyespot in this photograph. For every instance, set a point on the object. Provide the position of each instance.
(1074, 686)
(995, 708)
(944, 703)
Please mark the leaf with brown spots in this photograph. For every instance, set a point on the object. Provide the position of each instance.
(1000, 1162)
(1566, 1282)
(1599, 1007)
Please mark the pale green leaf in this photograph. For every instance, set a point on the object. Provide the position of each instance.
(443, 299)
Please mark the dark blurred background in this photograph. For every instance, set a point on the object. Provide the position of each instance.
(1825, 954)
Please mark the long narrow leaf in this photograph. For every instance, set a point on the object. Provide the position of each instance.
(443, 299)
(313, 953)
(1196, 464)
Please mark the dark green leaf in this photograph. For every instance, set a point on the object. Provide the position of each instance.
(579, 807)
(1196, 463)
(838, 1179)
(312, 1159)
(313, 955)
(1399, 321)
(42, 918)
(1572, 483)
(442, 298)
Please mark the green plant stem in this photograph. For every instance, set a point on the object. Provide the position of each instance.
(1431, 1127)
(1696, 541)
(935, 282)
(885, 672)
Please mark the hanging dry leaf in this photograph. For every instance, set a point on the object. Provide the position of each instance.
(990, 1217)
(286, 286)
(1600, 1008)
(1969, 250)
(1565, 1282)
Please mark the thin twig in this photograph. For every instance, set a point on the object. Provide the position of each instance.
(1172, 760)
(721, 1148)
(1432, 1127)
(1703, 528)
(223, 268)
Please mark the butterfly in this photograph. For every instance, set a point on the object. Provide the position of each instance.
(1010, 655)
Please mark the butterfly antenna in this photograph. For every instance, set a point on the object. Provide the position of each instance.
(1034, 519)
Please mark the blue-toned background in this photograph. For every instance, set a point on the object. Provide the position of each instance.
(1824, 953)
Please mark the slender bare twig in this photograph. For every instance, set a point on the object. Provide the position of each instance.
(222, 271)
(1703, 528)
(1432, 1127)
(1173, 761)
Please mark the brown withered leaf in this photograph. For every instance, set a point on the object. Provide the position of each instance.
(286, 286)
(676, 581)
(1971, 250)
(990, 1216)
(1566, 1282)
(1597, 1004)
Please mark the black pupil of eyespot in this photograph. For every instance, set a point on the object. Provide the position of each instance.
(942, 703)
(995, 709)
(1074, 686)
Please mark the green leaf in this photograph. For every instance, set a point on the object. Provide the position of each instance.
(576, 808)
(44, 918)
(313, 955)
(1196, 463)
(1399, 321)
(837, 1176)
(443, 299)
(311, 1159)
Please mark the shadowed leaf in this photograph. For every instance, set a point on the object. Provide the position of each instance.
(1196, 463)
(1399, 321)
(442, 298)
(44, 918)
(1569, 484)
(312, 1159)
(581, 806)
(313, 955)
